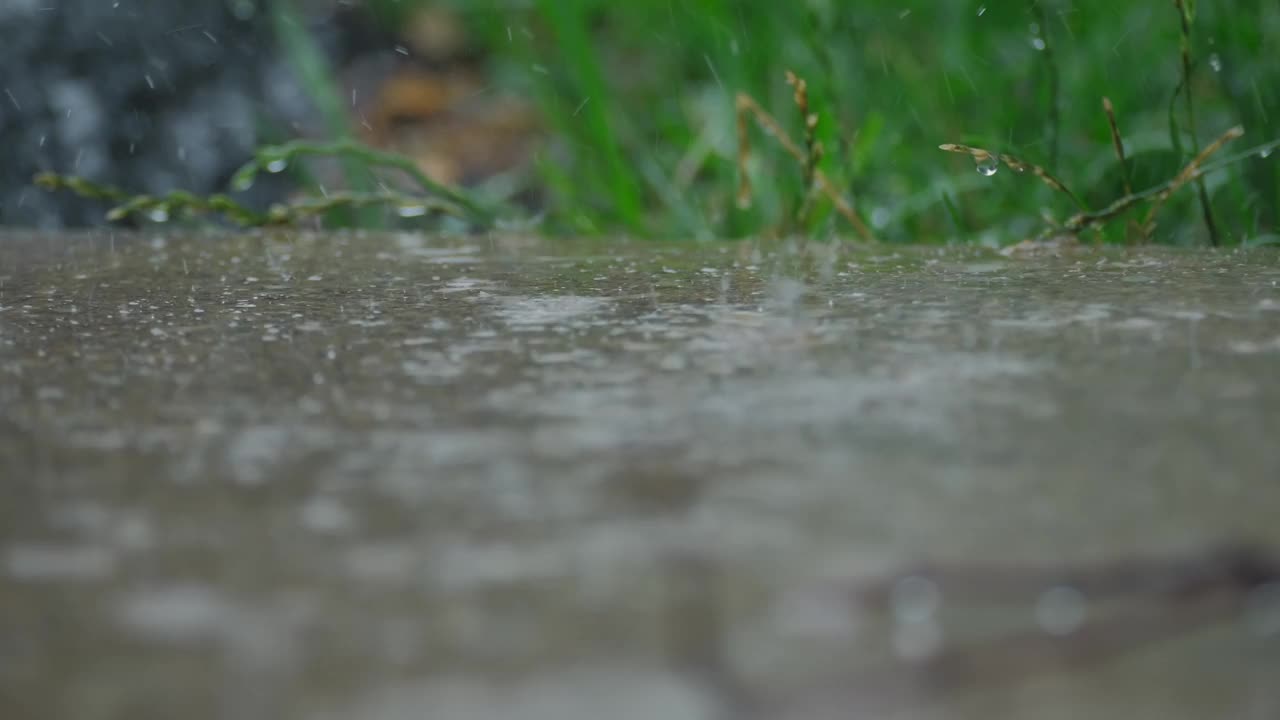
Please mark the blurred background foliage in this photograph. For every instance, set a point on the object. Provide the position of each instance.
(637, 100)
(605, 117)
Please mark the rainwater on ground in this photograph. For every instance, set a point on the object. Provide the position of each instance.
(393, 477)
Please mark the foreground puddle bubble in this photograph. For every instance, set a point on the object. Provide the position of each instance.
(915, 599)
(1061, 610)
(326, 515)
(177, 613)
(37, 562)
(617, 694)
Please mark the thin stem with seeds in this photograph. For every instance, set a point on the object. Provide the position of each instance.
(1190, 173)
(981, 155)
(1194, 170)
(746, 106)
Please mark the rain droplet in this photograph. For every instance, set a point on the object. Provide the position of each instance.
(411, 211)
(1060, 610)
(982, 9)
(915, 599)
(158, 215)
(987, 165)
(1265, 153)
(277, 165)
(1037, 43)
(1215, 62)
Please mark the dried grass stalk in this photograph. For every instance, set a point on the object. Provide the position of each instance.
(808, 158)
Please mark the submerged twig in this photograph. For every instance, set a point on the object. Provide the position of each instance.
(1137, 601)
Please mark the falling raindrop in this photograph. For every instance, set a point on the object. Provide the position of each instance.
(277, 165)
(1037, 41)
(1215, 62)
(987, 165)
(158, 215)
(982, 9)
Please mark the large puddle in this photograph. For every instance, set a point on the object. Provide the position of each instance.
(391, 477)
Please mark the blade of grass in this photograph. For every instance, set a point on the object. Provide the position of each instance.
(1053, 119)
(317, 79)
(569, 20)
(1185, 17)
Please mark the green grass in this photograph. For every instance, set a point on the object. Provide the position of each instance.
(639, 100)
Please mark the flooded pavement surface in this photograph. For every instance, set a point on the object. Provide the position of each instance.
(392, 477)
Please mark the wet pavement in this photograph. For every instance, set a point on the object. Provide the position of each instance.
(389, 476)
